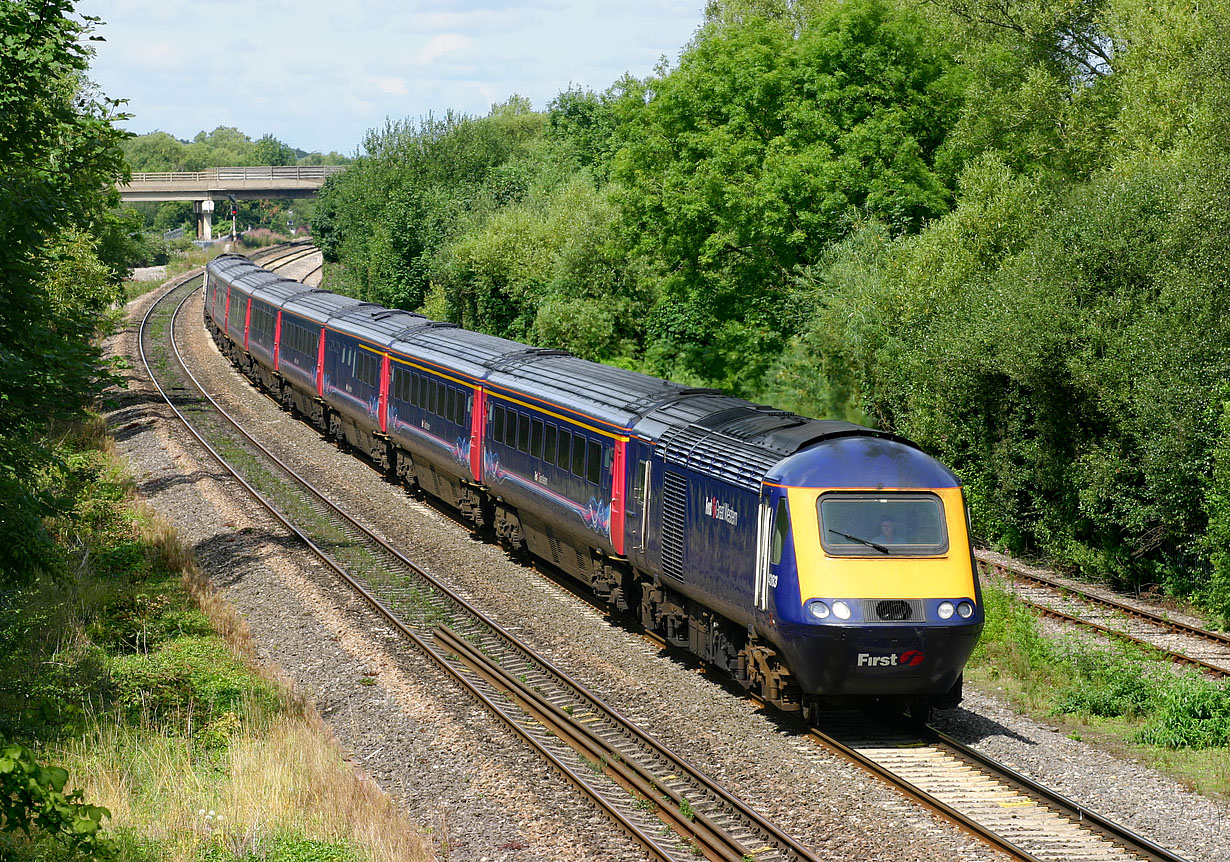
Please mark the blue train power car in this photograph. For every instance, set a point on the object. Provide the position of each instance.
(817, 562)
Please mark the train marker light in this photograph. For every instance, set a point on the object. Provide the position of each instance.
(818, 609)
(841, 610)
(966, 610)
(946, 610)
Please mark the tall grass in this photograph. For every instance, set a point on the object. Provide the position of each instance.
(278, 780)
(128, 670)
(1127, 694)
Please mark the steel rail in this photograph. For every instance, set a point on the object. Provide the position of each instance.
(1173, 626)
(697, 827)
(987, 562)
(922, 797)
(1074, 811)
(712, 840)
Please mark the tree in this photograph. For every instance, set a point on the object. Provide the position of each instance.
(270, 151)
(60, 152)
(770, 141)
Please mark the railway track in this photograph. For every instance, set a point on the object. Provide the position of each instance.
(667, 806)
(1010, 810)
(275, 257)
(1180, 642)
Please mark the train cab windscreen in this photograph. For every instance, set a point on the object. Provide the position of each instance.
(882, 524)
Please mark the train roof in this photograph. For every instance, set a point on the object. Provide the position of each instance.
(448, 347)
(239, 271)
(378, 324)
(319, 305)
(869, 460)
(277, 291)
(615, 396)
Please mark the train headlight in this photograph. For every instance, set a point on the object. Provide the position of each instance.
(841, 610)
(966, 610)
(818, 609)
(946, 610)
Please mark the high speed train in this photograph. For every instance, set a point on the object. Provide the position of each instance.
(817, 562)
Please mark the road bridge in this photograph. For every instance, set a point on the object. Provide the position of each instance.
(205, 187)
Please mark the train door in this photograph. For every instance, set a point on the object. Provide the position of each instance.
(772, 536)
(636, 503)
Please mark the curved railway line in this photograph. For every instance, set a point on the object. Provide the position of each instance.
(630, 777)
(672, 809)
(1178, 641)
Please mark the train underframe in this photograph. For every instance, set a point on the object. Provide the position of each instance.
(627, 592)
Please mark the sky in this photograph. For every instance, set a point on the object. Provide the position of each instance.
(317, 75)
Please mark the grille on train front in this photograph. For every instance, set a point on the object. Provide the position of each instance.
(893, 610)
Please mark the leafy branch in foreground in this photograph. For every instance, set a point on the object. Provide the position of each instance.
(32, 799)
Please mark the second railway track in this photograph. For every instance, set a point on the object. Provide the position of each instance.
(1179, 641)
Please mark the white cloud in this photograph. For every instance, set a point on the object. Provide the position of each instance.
(318, 75)
(445, 43)
(391, 86)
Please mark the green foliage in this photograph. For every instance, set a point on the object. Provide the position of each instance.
(1108, 686)
(268, 150)
(196, 677)
(769, 142)
(288, 848)
(32, 801)
(1073, 677)
(61, 153)
(1192, 714)
(116, 633)
(414, 189)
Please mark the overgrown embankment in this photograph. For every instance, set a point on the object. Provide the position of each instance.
(122, 667)
(1113, 693)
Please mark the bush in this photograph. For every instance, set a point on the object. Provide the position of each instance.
(1193, 714)
(33, 801)
(200, 678)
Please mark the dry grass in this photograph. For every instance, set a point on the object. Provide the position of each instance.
(281, 775)
(277, 777)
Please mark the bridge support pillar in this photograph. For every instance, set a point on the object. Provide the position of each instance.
(204, 219)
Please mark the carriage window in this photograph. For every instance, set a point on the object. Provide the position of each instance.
(874, 524)
(459, 416)
(578, 456)
(548, 452)
(536, 439)
(523, 432)
(781, 527)
(451, 413)
(497, 424)
(594, 473)
(565, 440)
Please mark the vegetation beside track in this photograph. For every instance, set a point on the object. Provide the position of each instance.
(1113, 693)
(122, 667)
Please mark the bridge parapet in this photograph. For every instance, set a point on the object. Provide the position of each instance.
(216, 178)
(240, 183)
